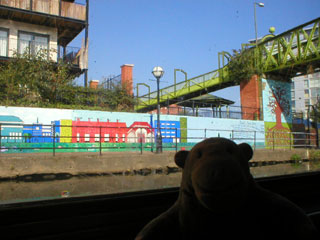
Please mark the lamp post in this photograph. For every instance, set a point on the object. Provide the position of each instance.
(260, 4)
(158, 73)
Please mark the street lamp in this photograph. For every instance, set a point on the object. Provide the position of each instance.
(158, 73)
(260, 4)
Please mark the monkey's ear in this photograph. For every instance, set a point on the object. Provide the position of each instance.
(181, 157)
(247, 151)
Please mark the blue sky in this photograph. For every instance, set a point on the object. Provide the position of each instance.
(185, 34)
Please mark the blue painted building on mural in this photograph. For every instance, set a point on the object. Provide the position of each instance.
(170, 131)
(11, 129)
(38, 133)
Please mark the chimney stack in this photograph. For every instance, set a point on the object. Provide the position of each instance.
(127, 78)
(94, 84)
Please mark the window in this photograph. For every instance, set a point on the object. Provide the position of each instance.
(292, 95)
(96, 137)
(33, 43)
(133, 133)
(106, 137)
(3, 42)
(292, 85)
(315, 92)
(87, 137)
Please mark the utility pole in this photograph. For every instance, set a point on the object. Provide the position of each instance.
(86, 43)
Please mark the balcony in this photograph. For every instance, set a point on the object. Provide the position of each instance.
(71, 55)
(51, 7)
(67, 17)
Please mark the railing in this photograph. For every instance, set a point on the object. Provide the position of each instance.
(56, 138)
(199, 80)
(52, 7)
(20, 46)
(293, 47)
(229, 112)
(111, 82)
(71, 55)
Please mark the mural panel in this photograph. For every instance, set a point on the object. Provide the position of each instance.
(99, 131)
(248, 131)
(277, 113)
(276, 102)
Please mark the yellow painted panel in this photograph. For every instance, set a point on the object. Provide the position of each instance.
(66, 131)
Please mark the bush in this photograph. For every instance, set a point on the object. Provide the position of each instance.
(297, 159)
(314, 155)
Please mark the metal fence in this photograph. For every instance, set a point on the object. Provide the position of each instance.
(230, 112)
(55, 138)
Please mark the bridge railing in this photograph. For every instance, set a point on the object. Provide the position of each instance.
(172, 89)
(295, 46)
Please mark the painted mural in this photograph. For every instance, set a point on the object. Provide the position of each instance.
(277, 113)
(249, 131)
(38, 130)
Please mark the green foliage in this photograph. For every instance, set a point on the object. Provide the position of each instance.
(37, 81)
(314, 155)
(242, 65)
(31, 79)
(98, 99)
(315, 114)
(297, 159)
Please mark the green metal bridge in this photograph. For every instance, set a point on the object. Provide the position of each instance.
(280, 57)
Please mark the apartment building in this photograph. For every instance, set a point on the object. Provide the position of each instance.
(305, 91)
(32, 25)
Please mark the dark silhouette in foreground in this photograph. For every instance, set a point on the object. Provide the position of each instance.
(220, 199)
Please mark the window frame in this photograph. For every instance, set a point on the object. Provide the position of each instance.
(8, 32)
(33, 34)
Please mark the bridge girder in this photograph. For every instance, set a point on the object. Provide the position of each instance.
(281, 57)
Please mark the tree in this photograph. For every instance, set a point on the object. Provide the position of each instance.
(242, 65)
(36, 80)
(278, 103)
(28, 79)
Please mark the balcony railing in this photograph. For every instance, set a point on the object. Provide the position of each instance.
(20, 46)
(71, 55)
(52, 7)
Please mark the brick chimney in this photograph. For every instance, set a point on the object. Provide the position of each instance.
(127, 78)
(94, 84)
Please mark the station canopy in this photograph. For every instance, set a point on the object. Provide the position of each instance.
(205, 101)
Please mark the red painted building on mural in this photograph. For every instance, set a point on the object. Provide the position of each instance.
(115, 132)
(140, 132)
(88, 131)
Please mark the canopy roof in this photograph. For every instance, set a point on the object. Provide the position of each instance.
(205, 101)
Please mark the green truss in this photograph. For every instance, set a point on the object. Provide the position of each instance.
(284, 54)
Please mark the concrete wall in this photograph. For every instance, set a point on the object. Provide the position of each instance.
(14, 27)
